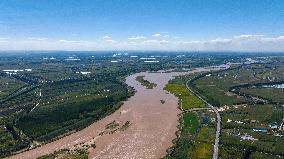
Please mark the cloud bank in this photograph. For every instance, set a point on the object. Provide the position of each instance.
(136, 38)
(253, 43)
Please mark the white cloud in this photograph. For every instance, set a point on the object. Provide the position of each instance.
(150, 41)
(39, 39)
(42, 39)
(164, 42)
(47, 45)
(221, 41)
(62, 41)
(280, 37)
(106, 37)
(235, 43)
(248, 37)
(191, 42)
(136, 38)
(258, 38)
(157, 35)
(74, 41)
(275, 39)
(165, 36)
(244, 42)
(110, 41)
(74, 34)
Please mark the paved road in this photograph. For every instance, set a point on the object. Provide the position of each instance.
(218, 126)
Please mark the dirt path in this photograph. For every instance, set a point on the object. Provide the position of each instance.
(151, 131)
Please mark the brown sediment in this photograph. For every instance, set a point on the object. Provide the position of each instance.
(150, 129)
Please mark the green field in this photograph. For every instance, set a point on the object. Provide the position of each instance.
(187, 99)
(204, 143)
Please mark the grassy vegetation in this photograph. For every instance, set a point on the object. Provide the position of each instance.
(9, 85)
(189, 125)
(194, 139)
(125, 126)
(203, 151)
(259, 155)
(216, 86)
(206, 134)
(257, 116)
(10, 139)
(70, 100)
(187, 99)
(93, 145)
(54, 97)
(61, 111)
(67, 154)
(240, 90)
(112, 125)
(272, 94)
(253, 116)
(145, 83)
(232, 146)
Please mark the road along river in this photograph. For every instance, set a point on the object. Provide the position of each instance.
(145, 125)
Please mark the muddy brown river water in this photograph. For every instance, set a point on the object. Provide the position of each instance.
(150, 133)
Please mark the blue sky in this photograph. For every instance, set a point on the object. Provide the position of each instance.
(233, 25)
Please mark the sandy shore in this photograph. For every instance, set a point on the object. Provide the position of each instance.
(150, 133)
